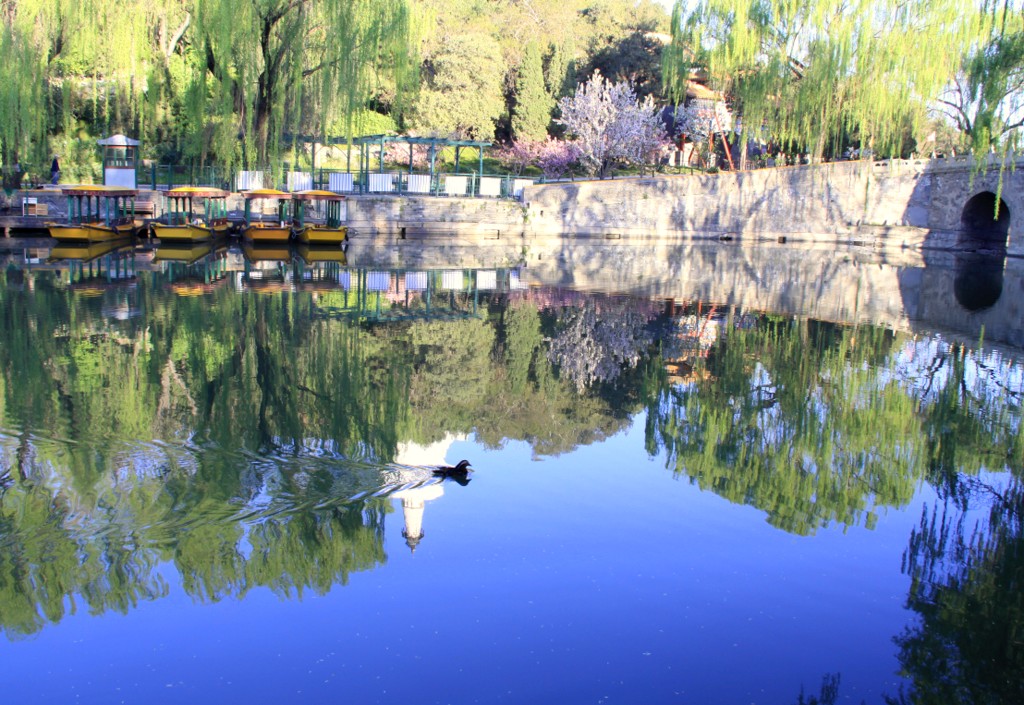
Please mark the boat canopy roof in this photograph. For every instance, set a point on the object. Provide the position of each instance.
(317, 195)
(97, 190)
(197, 192)
(117, 141)
(265, 193)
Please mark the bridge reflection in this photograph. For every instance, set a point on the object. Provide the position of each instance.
(957, 293)
(978, 281)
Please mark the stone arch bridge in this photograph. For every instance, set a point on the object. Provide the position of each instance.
(922, 203)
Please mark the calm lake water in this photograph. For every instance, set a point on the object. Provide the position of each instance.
(702, 474)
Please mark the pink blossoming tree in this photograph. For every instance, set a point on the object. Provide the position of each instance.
(611, 126)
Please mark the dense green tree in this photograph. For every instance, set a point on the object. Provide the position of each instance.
(560, 73)
(61, 55)
(603, 23)
(226, 82)
(229, 69)
(567, 32)
(462, 89)
(263, 55)
(532, 113)
(635, 58)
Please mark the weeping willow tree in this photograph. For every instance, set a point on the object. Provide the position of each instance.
(56, 51)
(269, 66)
(814, 73)
(985, 99)
(212, 72)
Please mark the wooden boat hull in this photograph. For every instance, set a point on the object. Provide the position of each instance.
(103, 233)
(88, 232)
(177, 233)
(215, 230)
(69, 233)
(313, 235)
(190, 232)
(257, 234)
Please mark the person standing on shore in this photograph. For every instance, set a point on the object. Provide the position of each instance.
(54, 171)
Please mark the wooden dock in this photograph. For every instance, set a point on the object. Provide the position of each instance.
(25, 225)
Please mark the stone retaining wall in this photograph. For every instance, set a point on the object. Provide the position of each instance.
(895, 204)
(404, 217)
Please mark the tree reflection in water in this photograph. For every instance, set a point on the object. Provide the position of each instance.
(276, 421)
(968, 591)
(594, 345)
(818, 423)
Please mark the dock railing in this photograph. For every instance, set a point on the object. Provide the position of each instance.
(402, 183)
(167, 176)
(395, 182)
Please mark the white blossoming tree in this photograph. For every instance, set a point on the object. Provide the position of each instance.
(595, 345)
(609, 125)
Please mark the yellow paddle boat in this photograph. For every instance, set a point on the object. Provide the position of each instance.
(184, 224)
(317, 218)
(262, 229)
(97, 214)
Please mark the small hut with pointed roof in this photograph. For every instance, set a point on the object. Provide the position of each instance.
(120, 158)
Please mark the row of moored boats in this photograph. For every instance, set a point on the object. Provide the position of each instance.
(197, 214)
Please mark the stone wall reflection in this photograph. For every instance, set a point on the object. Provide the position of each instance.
(958, 293)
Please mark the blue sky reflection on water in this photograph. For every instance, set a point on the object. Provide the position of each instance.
(589, 577)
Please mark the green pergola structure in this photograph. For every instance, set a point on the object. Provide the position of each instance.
(434, 145)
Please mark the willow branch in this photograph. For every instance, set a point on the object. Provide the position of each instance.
(178, 34)
(275, 17)
(328, 63)
(958, 115)
(1011, 126)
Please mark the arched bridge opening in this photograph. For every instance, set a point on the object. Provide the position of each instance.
(982, 225)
